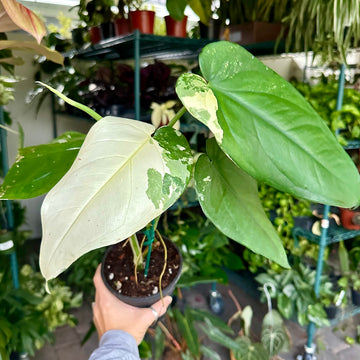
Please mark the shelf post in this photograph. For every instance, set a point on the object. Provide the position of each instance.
(137, 74)
(325, 221)
(9, 212)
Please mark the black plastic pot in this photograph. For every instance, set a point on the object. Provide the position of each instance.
(355, 297)
(331, 311)
(145, 301)
(211, 31)
(107, 30)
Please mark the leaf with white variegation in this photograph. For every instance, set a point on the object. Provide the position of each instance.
(267, 128)
(121, 179)
(229, 198)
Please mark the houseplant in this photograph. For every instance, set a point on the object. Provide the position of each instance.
(141, 19)
(328, 28)
(250, 22)
(159, 166)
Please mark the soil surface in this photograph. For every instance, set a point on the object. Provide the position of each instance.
(120, 273)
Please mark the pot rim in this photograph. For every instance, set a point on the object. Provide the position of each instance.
(143, 301)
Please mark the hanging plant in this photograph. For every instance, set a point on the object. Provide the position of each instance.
(329, 28)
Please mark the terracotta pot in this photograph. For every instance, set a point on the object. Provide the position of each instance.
(143, 20)
(350, 219)
(253, 32)
(111, 278)
(174, 27)
(95, 34)
(122, 26)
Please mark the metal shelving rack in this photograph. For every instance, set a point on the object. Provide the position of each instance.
(136, 46)
(329, 235)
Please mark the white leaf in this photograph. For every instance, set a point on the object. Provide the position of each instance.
(121, 179)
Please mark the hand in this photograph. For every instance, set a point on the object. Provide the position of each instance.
(109, 313)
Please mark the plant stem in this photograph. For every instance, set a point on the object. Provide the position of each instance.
(177, 116)
(136, 250)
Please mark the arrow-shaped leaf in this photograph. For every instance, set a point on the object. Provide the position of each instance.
(267, 128)
(121, 179)
(38, 168)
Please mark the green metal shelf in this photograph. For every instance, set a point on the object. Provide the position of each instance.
(122, 48)
(335, 234)
(346, 313)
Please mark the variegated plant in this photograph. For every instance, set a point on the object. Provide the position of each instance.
(127, 174)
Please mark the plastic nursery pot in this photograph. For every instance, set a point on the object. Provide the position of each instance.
(211, 31)
(143, 20)
(350, 219)
(331, 311)
(174, 27)
(122, 26)
(117, 271)
(95, 34)
(107, 30)
(355, 297)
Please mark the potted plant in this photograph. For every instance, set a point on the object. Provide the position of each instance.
(121, 22)
(141, 19)
(252, 22)
(209, 24)
(112, 192)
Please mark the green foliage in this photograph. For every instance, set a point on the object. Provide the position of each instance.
(179, 333)
(80, 275)
(294, 292)
(28, 316)
(327, 27)
(274, 336)
(322, 97)
(205, 250)
(245, 11)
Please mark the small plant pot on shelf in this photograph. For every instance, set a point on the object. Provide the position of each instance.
(174, 27)
(118, 274)
(210, 31)
(331, 311)
(355, 297)
(95, 34)
(107, 30)
(142, 20)
(350, 219)
(122, 26)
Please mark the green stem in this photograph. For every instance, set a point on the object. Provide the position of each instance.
(177, 116)
(136, 250)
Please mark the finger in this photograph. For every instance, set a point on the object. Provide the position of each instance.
(160, 307)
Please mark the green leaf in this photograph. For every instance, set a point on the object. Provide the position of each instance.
(38, 168)
(176, 8)
(209, 353)
(285, 305)
(131, 178)
(145, 350)
(188, 331)
(267, 128)
(229, 198)
(274, 336)
(201, 315)
(79, 106)
(317, 315)
(249, 350)
(202, 8)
